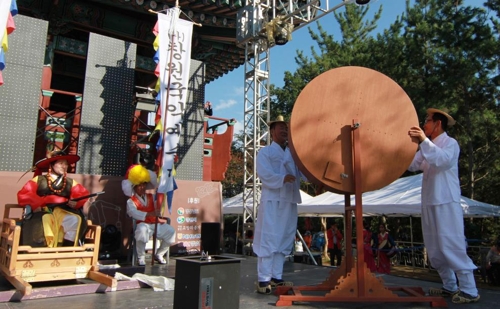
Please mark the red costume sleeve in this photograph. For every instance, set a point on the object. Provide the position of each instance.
(78, 191)
(27, 195)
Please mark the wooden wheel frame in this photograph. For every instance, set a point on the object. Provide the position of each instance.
(348, 133)
(320, 129)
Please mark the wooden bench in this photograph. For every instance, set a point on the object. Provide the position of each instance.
(24, 264)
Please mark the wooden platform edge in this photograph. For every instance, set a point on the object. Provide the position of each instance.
(109, 281)
(413, 295)
(23, 287)
(68, 290)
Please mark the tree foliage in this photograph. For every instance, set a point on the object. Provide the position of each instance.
(458, 54)
(444, 55)
(233, 181)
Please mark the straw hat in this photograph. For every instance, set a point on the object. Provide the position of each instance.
(280, 118)
(451, 121)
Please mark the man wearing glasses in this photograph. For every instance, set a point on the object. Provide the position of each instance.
(442, 215)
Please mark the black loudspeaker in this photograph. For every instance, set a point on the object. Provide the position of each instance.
(207, 284)
(210, 237)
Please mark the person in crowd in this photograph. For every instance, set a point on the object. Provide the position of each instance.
(385, 244)
(374, 244)
(308, 238)
(318, 241)
(277, 215)
(367, 247)
(208, 108)
(59, 198)
(334, 244)
(141, 207)
(493, 264)
(442, 215)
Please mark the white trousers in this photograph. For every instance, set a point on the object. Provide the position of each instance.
(270, 267)
(70, 225)
(144, 231)
(443, 231)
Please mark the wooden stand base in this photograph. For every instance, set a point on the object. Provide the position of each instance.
(342, 286)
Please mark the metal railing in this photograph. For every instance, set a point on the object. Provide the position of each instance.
(415, 255)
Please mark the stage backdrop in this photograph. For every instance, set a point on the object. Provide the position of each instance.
(194, 202)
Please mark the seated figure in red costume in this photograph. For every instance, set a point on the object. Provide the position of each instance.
(55, 198)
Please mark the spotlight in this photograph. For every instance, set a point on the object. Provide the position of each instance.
(279, 31)
(362, 2)
(281, 34)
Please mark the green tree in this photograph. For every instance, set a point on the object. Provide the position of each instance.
(233, 181)
(353, 49)
(445, 55)
(454, 59)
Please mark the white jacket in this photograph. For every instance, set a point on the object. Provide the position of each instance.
(277, 214)
(438, 159)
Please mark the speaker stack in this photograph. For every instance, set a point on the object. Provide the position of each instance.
(211, 237)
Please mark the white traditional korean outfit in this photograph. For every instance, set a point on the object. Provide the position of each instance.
(144, 231)
(442, 215)
(277, 215)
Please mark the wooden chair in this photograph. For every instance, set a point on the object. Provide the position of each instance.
(22, 264)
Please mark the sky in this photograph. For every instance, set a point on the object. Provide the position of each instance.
(226, 93)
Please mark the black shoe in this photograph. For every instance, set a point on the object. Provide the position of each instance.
(264, 288)
(280, 282)
(442, 292)
(464, 298)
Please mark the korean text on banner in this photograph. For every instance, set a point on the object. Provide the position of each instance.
(175, 53)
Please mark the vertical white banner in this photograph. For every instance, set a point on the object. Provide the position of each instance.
(175, 57)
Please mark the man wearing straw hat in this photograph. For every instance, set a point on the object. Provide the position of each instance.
(277, 216)
(442, 215)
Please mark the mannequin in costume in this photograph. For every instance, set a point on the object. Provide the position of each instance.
(141, 207)
(63, 221)
(442, 215)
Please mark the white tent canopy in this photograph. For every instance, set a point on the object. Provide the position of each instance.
(400, 198)
(234, 205)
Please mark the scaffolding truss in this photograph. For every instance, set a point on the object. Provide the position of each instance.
(251, 34)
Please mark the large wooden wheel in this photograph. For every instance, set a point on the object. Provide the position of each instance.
(321, 129)
(348, 132)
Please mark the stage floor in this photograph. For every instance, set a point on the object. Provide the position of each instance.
(135, 296)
